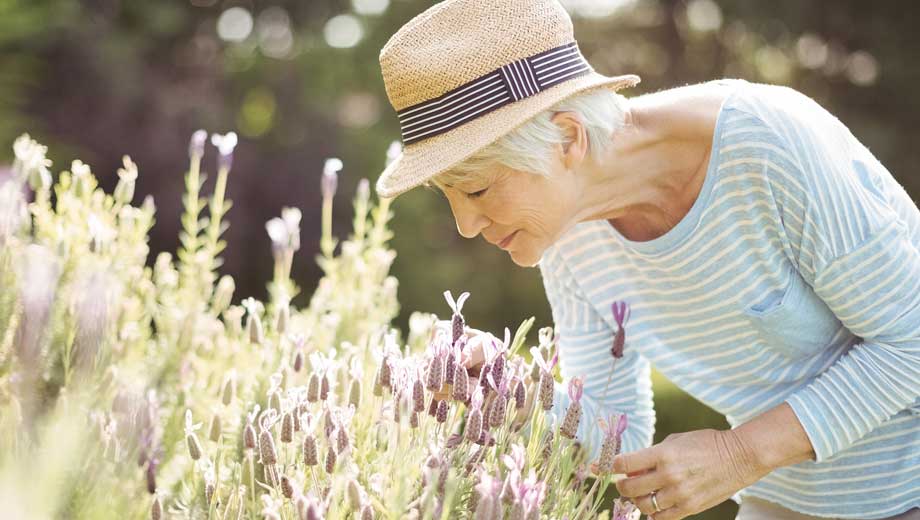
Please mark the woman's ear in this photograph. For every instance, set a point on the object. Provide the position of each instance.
(575, 138)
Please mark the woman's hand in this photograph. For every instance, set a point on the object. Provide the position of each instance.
(690, 472)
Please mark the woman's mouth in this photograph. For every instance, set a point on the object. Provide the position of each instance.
(507, 241)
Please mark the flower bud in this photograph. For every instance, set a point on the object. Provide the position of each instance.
(194, 447)
(287, 488)
(330, 177)
(214, 431)
(229, 390)
(196, 144)
(569, 426)
(442, 411)
(497, 411)
(223, 294)
(546, 390)
(309, 450)
(287, 428)
(418, 396)
(313, 388)
(267, 448)
(324, 387)
(330, 460)
(354, 393)
(473, 425)
(156, 509)
(461, 383)
(249, 437)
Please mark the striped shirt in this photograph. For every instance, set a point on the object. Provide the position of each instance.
(795, 277)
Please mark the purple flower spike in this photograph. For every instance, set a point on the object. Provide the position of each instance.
(620, 312)
(621, 315)
(576, 389)
(621, 425)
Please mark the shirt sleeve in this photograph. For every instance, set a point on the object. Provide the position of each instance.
(584, 344)
(854, 248)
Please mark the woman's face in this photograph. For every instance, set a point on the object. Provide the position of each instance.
(517, 211)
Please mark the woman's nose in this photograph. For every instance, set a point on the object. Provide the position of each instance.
(470, 222)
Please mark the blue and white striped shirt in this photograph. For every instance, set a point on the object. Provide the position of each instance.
(794, 277)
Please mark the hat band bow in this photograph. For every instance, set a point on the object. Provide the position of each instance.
(509, 83)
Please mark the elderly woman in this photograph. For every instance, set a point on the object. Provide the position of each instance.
(770, 263)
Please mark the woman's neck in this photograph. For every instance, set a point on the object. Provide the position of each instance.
(656, 166)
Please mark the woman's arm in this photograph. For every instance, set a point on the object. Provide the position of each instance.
(774, 439)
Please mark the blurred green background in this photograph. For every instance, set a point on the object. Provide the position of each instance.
(299, 81)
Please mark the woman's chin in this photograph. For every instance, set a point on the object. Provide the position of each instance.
(525, 257)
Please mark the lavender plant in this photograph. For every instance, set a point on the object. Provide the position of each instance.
(106, 363)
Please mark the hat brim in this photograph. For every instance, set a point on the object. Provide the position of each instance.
(424, 160)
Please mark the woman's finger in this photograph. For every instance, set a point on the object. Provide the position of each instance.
(640, 485)
(640, 460)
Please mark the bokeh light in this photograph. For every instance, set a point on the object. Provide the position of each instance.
(370, 7)
(273, 27)
(234, 24)
(862, 69)
(704, 15)
(595, 8)
(343, 31)
(811, 51)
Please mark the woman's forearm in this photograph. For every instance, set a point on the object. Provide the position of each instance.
(775, 439)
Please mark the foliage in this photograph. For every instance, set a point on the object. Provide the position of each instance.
(132, 391)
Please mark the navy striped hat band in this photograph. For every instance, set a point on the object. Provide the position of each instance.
(522, 79)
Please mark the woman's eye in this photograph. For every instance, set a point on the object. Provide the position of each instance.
(477, 194)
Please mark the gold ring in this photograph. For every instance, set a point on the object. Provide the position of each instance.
(655, 502)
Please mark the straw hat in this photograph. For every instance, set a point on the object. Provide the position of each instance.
(466, 72)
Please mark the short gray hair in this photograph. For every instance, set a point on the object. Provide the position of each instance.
(528, 147)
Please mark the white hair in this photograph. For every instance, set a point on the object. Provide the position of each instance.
(528, 148)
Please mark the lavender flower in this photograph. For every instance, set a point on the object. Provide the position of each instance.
(461, 383)
(191, 439)
(310, 457)
(487, 492)
(229, 388)
(621, 316)
(625, 510)
(287, 428)
(457, 322)
(330, 460)
(474, 418)
(225, 145)
(156, 509)
(573, 413)
(249, 437)
(418, 396)
(330, 181)
(612, 430)
(196, 144)
(499, 404)
(313, 388)
(215, 429)
(267, 448)
(441, 415)
(435, 371)
(546, 377)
